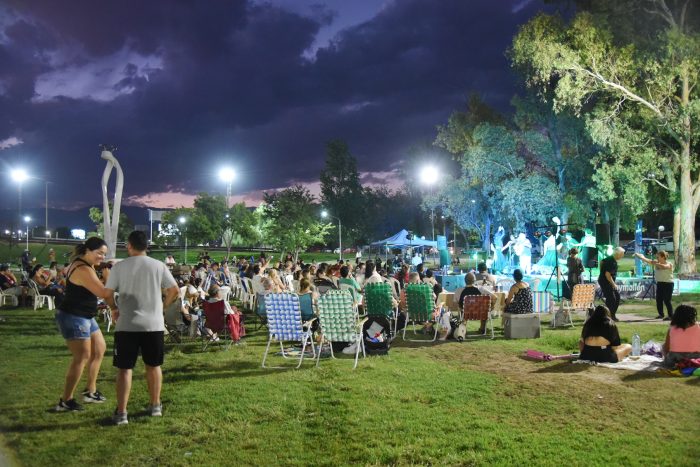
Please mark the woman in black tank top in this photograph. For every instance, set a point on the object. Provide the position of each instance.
(76, 321)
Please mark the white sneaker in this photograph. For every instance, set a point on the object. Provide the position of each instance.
(350, 349)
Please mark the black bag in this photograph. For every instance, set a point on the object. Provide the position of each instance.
(381, 347)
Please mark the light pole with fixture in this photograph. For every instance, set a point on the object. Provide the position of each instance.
(183, 221)
(429, 176)
(227, 175)
(325, 214)
(27, 219)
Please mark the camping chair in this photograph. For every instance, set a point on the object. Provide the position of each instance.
(216, 320)
(174, 323)
(420, 308)
(106, 312)
(378, 302)
(284, 324)
(356, 297)
(542, 303)
(248, 298)
(477, 308)
(40, 299)
(260, 310)
(582, 298)
(340, 322)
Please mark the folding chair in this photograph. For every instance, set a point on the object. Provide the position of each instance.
(249, 295)
(356, 297)
(477, 308)
(174, 323)
(260, 310)
(340, 322)
(420, 308)
(582, 298)
(39, 299)
(216, 320)
(284, 324)
(542, 303)
(378, 302)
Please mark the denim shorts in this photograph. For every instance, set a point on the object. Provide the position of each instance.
(75, 327)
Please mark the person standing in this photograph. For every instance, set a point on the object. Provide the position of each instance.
(606, 280)
(76, 321)
(574, 272)
(139, 281)
(663, 273)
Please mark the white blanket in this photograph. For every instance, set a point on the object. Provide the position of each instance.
(643, 363)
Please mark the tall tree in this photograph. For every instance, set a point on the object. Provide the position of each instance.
(293, 220)
(648, 85)
(125, 224)
(341, 191)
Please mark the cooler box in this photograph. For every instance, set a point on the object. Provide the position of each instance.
(525, 326)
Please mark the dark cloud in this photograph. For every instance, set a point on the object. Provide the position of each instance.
(182, 87)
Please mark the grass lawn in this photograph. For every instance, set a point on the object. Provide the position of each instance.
(471, 403)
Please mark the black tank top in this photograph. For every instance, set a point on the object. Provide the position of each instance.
(78, 300)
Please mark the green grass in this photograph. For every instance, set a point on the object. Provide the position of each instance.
(472, 403)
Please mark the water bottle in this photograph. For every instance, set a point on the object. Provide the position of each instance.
(636, 345)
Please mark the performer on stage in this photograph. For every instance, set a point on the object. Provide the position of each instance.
(549, 255)
(523, 249)
(499, 261)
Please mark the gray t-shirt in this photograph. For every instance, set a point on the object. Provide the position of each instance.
(139, 280)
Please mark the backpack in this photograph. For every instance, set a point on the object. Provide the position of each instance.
(376, 333)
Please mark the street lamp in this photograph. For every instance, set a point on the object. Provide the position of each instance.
(183, 221)
(227, 175)
(325, 214)
(27, 219)
(429, 176)
(20, 176)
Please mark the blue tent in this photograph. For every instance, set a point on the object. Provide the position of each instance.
(400, 240)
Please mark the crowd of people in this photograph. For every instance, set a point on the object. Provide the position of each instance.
(140, 290)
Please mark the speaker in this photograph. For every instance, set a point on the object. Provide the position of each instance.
(591, 256)
(602, 234)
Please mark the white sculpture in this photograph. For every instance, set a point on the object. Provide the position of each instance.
(111, 226)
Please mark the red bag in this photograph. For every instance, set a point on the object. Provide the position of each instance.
(235, 324)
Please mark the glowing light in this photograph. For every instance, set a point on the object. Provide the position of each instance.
(19, 175)
(227, 174)
(429, 175)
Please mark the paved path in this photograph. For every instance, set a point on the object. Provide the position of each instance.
(632, 318)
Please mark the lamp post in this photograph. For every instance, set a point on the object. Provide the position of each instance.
(429, 176)
(19, 176)
(325, 214)
(27, 219)
(227, 175)
(183, 221)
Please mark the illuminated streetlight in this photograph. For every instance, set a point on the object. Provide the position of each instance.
(325, 214)
(183, 221)
(429, 176)
(27, 219)
(227, 175)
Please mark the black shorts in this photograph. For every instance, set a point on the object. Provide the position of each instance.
(598, 354)
(128, 344)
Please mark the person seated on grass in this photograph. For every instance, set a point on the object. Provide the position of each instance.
(683, 336)
(470, 290)
(600, 339)
(519, 300)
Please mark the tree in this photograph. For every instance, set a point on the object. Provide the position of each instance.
(239, 227)
(341, 191)
(293, 220)
(125, 224)
(648, 85)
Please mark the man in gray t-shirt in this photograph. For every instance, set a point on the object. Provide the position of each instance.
(140, 282)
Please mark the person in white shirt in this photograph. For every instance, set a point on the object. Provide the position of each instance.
(256, 281)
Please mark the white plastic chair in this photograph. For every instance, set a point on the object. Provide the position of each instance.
(39, 299)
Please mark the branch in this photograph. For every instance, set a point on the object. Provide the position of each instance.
(624, 90)
(653, 179)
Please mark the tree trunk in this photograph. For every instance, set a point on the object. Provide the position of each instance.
(615, 240)
(676, 232)
(685, 260)
(486, 241)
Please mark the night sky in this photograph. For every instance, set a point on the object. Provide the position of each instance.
(183, 87)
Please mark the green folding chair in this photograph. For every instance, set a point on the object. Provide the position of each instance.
(340, 322)
(420, 304)
(378, 302)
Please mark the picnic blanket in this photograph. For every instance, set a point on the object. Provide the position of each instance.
(643, 363)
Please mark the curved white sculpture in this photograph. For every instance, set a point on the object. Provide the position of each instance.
(111, 226)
